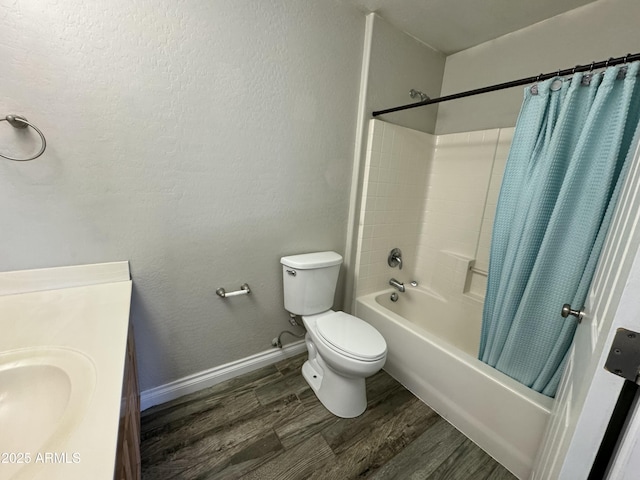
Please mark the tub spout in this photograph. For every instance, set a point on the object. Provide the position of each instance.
(396, 284)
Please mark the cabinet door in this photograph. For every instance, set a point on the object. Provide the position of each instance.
(128, 455)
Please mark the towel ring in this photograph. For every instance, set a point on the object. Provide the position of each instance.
(16, 121)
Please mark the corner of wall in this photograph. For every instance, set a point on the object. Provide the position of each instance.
(357, 172)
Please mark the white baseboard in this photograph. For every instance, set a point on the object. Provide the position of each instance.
(213, 376)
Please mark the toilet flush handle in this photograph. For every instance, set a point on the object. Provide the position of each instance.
(291, 272)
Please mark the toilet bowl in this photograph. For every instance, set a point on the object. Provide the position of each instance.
(341, 359)
(343, 349)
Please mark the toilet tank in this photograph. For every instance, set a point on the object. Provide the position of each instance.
(310, 281)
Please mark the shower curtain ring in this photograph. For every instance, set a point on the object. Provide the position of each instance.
(625, 57)
(538, 77)
(591, 67)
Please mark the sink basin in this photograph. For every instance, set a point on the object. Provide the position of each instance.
(44, 393)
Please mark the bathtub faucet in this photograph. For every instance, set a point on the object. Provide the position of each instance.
(396, 284)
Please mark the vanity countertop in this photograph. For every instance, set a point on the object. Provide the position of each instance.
(62, 354)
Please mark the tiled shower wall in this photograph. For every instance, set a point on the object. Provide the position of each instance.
(435, 198)
(396, 172)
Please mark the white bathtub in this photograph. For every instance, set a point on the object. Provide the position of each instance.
(432, 352)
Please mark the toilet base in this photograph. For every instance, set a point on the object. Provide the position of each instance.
(345, 397)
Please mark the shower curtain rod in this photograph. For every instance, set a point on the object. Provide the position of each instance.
(515, 83)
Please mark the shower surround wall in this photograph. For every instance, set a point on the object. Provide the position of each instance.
(396, 169)
(434, 197)
(462, 193)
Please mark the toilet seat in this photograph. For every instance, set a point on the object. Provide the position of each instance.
(351, 336)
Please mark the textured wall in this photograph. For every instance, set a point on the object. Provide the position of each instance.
(199, 140)
(603, 29)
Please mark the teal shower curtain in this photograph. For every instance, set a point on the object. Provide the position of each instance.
(563, 176)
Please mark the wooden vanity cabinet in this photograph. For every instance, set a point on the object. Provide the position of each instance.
(127, 465)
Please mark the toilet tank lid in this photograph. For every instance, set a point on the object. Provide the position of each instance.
(312, 260)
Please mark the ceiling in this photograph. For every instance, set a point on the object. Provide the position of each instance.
(453, 25)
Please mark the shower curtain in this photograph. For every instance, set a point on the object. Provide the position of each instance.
(563, 176)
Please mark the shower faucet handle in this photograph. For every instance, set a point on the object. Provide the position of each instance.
(395, 258)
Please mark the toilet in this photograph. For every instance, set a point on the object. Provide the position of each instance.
(343, 349)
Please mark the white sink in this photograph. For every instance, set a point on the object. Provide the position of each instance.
(63, 337)
(44, 394)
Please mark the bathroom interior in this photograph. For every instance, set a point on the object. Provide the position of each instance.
(192, 146)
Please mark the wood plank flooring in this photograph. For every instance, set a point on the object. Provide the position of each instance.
(268, 424)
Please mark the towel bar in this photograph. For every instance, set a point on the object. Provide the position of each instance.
(244, 290)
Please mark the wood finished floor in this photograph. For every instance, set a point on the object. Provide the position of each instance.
(268, 424)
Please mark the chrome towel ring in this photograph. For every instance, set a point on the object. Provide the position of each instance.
(17, 121)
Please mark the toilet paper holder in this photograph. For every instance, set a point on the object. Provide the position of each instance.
(244, 290)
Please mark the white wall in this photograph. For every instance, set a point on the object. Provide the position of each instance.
(199, 140)
(459, 207)
(396, 174)
(603, 29)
